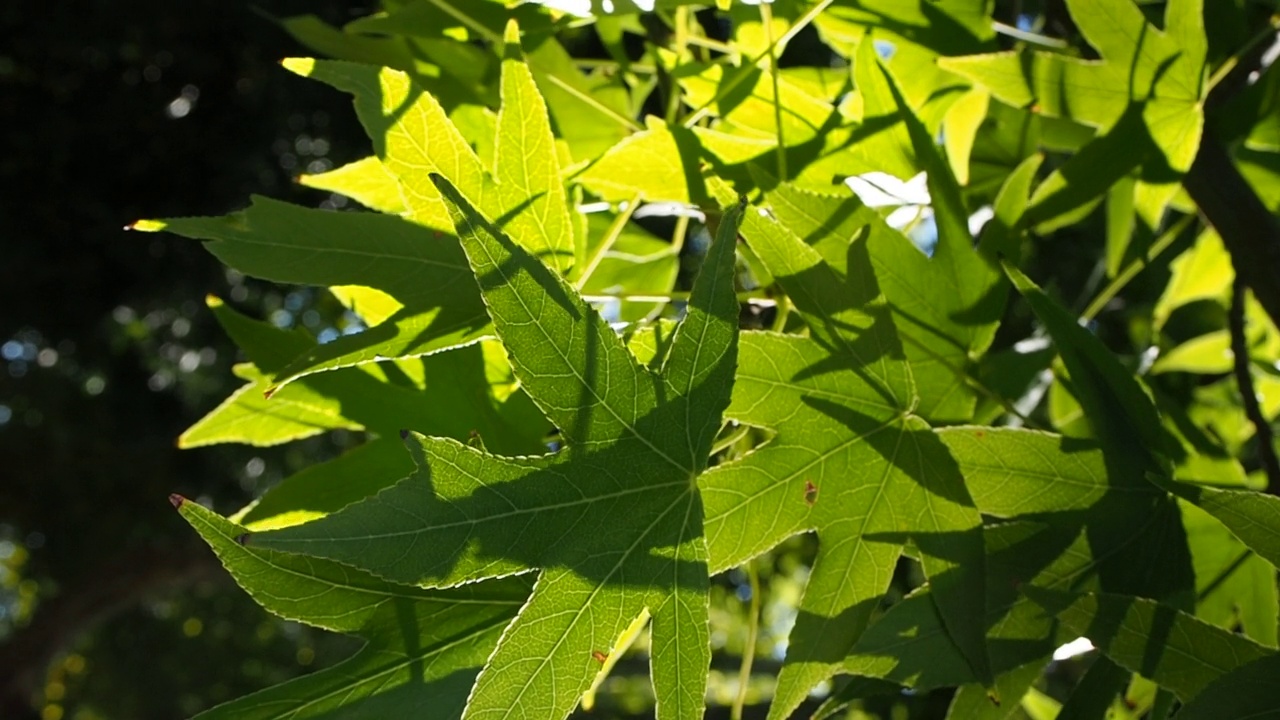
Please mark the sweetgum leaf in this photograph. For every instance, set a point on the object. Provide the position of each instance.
(412, 137)
(841, 403)
(612, 522)
(1161, 643)
(1159, 72)
(1065, 523)
(424, 646)
(1248, 692)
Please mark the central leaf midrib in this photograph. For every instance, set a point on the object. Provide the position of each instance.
(572, 368)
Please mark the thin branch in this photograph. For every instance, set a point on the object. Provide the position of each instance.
(1245, 224)
(749, 650)
(1244, 380)
(1136, 266)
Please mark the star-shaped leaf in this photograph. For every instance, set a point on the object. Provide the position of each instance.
(1162, 71)
(850, 459)
(612, 521)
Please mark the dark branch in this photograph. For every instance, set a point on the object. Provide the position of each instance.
(1248, 229)
(1244, 379)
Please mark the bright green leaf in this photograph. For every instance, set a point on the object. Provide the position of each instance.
(635, 439)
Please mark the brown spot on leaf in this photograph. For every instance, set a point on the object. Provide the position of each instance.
(599, 656)
(810, 493)
(243, 539)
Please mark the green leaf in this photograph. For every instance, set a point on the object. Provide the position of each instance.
(328, 40)
(1160, 73)
(366, 181)
(1247, 693)
(423, 646)
(527, 169)
(1087, 175)
(882, 132)
(440, 311)
(919, 33)
(956, 317)
(424, 271)
(1116, 408)
(455, 397)
(1251, 516)
(1023, 472)
(659, 163)
(961, 126)
(636, 441)
(847, 440)
(1002, 236)
(1172, 648)
(1234, 586)
(1208, 354)
(1203, 272)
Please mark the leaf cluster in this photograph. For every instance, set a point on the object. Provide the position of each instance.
(631, 322)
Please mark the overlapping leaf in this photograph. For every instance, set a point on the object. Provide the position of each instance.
(613, 521)
(850, 459)
(1159, 642)
(1163, 71)
(411, 261)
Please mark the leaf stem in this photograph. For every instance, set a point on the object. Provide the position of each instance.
(766, 18)
(1249, 396)
(1136, 266)
(611, 237)
(609, 112)
(1026, 36)
(754, 298)
(975, 384)
(734, 53)
(681, 48)
(753, 633)
(728, 441)
(727, 87)
(1230, 63)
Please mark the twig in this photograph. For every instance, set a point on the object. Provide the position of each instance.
(749, 651)
(1244, 380)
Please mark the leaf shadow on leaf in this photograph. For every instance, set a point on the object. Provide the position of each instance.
(1074, 551)
(541, 274)
(1108, 622)
(761, 171)
(944, 484)
(939, 31)
(847, 321)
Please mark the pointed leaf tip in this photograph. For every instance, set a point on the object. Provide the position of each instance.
(176, 500)
(146, 225)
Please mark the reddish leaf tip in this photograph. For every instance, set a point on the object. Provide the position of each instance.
(176, 500)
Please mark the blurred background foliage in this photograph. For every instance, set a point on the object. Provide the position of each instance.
(109, 605)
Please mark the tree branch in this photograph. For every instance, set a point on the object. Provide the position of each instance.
(1247, 228)
(1244, 380)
